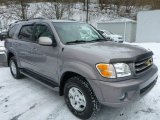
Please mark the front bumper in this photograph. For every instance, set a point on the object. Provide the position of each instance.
(116, 94)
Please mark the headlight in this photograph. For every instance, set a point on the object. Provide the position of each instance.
(122, 70)
(113, 71)
(106, 70)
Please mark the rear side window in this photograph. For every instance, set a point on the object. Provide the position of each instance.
(26, 33)
(12, 31)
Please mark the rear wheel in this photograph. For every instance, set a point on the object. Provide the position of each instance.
(14, 68)
(80, 98)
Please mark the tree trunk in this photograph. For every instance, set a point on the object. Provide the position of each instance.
(23, 10)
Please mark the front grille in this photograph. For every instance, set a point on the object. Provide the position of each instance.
(143, 65)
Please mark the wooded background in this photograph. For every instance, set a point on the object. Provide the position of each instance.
(63, 9)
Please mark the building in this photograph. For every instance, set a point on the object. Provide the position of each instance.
(148, 26)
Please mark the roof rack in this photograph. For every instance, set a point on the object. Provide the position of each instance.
(38, 18)
(72, 19)
(19, 21)
(41, 18)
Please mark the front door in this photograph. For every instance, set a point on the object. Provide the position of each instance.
(45, 57)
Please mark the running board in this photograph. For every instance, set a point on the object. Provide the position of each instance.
(40, 79)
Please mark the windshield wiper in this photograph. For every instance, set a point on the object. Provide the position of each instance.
(83, 41)
(76, 41)
(99, 40)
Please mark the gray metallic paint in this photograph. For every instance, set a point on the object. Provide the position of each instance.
(82, 59)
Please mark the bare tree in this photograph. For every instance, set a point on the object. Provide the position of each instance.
(55, 9)
(19, 10)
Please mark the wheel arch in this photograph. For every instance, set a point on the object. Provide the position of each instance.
(78, 68)
(9, 56)
(11, 53)
(65, 76)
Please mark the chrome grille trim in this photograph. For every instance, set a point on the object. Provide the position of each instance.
(143, 65)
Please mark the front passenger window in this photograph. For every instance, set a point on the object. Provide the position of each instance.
(43, 31)
(26, 33)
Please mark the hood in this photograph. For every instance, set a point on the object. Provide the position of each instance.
(105, 51)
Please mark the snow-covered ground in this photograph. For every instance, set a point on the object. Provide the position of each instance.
(27, 100)
(1, 43)
(2, 46)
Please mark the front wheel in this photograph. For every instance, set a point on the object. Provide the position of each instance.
(80, 98)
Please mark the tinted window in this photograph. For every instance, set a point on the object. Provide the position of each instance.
(43, 31)
(26, 33)
(12, 31)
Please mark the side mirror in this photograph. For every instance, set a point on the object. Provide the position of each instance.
(45, 41)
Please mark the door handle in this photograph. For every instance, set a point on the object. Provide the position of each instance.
(35, 49)
(17, 44)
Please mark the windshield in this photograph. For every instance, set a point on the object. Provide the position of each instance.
(70, 32)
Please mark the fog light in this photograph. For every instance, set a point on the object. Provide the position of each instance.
(123, 97)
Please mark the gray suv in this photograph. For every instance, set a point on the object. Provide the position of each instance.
(76, 60)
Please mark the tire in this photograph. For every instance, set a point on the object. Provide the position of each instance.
(92, 105)
(15, 71)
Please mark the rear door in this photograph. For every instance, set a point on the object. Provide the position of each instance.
(45, 57)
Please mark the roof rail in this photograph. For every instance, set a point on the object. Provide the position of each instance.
(38, 18)
(72, 19)
(41, 18)
(19, 21)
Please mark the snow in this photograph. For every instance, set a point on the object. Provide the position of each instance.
(2, 49)
(1, 43)
(28, 100)
(77, 13)
(117, 20)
